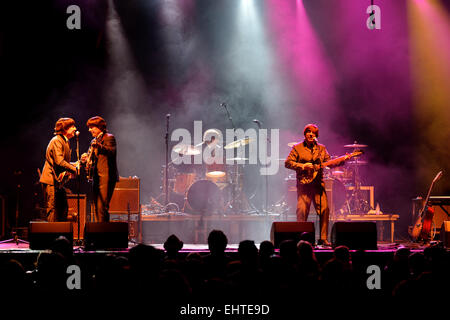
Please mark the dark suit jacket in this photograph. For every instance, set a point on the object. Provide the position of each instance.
(57, 160)
(106, 155)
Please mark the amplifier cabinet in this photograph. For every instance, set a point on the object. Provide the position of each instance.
(126, 198)
(72, 201)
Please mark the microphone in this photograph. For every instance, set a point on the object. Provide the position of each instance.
(316, 140)
(257, 121)
(168, 115)
(77, 133)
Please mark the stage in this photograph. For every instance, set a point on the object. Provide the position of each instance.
(28, 257)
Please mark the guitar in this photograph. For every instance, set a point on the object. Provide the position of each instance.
(309, 175)
(422, 227)
(65, 176)
(90, 161)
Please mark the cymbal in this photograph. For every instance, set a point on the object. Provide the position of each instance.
(358, 163)
(186, 149)
(291, 144)
(236, 159)
(238, 143)
(356, 145)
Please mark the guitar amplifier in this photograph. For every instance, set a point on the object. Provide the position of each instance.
(72, 202)
(125, 198)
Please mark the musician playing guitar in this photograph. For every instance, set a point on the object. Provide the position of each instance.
(308, 158)
(101, 166)
(58, 169)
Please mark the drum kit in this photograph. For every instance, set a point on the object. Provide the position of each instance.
(215, 188)
(218, 188)
(344, 182)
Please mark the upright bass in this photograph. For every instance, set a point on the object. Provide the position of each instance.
(422, 228)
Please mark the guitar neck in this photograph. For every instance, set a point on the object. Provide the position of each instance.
(334, 161)
(428, 197)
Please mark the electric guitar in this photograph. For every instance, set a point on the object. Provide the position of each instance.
(308, 175)
(422, 227)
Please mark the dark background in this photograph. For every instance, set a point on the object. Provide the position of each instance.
(145, 59)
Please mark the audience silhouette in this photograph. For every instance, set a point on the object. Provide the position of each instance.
(172, 277)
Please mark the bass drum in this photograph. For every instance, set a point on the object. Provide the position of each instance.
(183, 181)
(337, 196)
(204, 197)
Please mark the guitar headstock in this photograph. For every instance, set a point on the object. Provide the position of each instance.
(355, 153)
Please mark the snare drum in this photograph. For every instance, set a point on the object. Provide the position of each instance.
(216, 173)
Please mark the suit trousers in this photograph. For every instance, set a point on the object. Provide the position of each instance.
(315, 193)
(55, 203)
(102, 191)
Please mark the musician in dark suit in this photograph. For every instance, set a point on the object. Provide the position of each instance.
(103, 166)
(57, 164)
(306, 158)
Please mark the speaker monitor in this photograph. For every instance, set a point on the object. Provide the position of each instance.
(43, 234)
(106, 235)
(355, 235)
(445, 234)
(291, 231)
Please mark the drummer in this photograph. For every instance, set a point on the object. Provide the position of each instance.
(213, 155)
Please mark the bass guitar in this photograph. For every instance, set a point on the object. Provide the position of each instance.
(422, 228)
(90, 161)
(309, 175)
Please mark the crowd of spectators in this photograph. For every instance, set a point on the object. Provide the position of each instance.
(255, 275)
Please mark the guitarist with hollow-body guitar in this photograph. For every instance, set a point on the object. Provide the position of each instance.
(308, 158)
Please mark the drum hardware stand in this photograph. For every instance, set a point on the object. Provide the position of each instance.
(239, 199)
(356, 204)
(266, 200)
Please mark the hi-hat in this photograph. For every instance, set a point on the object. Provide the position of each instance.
(356, 145)
(238, 143)
(186, 149)
(291, 144)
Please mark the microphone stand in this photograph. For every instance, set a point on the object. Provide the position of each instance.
(166, 174)
(78, 190)
(233, 190)
(266, 203)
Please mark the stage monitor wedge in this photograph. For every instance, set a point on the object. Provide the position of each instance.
(355, 235)
(281, 231)
(106, 235)
(43, 234)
